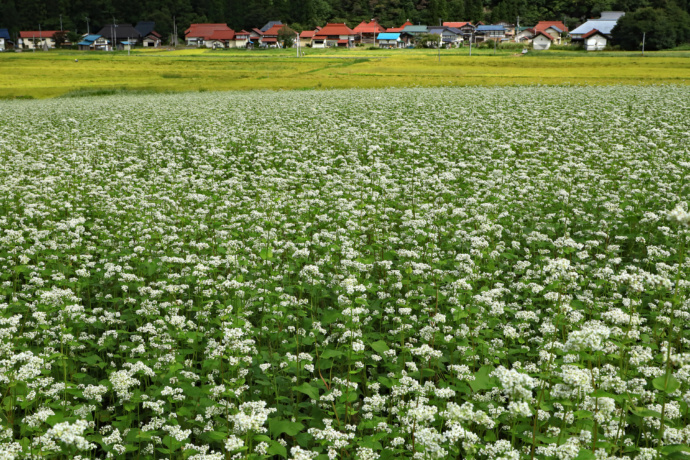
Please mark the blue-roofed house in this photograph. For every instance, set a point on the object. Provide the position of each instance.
(93, 42)
(5, 40)
(389, 40)
(604, 25)
(489, 32)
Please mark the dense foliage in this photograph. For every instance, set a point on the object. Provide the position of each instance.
(28, 14)
(427, 273)
(662, 27)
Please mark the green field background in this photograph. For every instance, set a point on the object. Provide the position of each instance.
(56, 73)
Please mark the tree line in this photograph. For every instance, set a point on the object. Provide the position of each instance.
(78, 15)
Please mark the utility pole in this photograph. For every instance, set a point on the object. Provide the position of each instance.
(174, 32)
(88, 29)
(644, 35)
(60, 23)
(471, 44)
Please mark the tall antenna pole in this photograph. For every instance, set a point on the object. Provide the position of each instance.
(644, 35)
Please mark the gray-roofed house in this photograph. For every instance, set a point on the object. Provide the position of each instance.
(489, 32)
(450, 36)
(118, 33)
(270, 24)
(604, 25)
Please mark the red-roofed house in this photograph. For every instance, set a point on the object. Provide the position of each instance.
(270, 37)
(334, 34)
(367, 32)
(200, 34)
(542, 41)
(595, 40)
(553, 28)
(37, 39)
(255, 37)
(241, 39)
(306, 37)
(399, 29)
(221, 39)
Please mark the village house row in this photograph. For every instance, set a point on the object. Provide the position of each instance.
(592, 35)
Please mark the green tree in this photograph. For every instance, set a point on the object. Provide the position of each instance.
(286, 36)
(664, 28)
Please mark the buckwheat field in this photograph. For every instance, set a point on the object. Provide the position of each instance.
(466, 273)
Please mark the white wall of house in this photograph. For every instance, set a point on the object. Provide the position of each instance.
(318, 43)
(2, 44)
(540, 42)
(388, 43)
(194, 41)
(595, 43)
(554, 34)
(30, 43)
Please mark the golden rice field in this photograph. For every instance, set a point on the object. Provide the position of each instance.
(56, 73)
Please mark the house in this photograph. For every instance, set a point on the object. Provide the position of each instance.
(389, 40)
(270, 24)
(509, 28)
(221, 39)
(334, 34)
(116, 34)
(255, 37)
(595, 40)
(542, 41)
(241, 39)
(93, 42)
(604, 25)
(6, 42)
(305, 37)
(271, 36)
(450, 36)
(37, 39)
(152, 40)
(367, 32)
(466, 28)
(524, 34)
(489, 32)
(199, 34)
(149, 37)
(554, 28)
(409, 34)
(399, 29)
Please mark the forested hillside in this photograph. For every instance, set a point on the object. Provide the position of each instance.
(302, 14)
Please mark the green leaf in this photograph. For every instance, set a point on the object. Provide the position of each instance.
(585, 454)
(278, 427)
(308, 390)
(277, 449)
(329, 353)
(644, 412)
(482, 381)
(676, 448)
(380, 346)
(666, 383)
